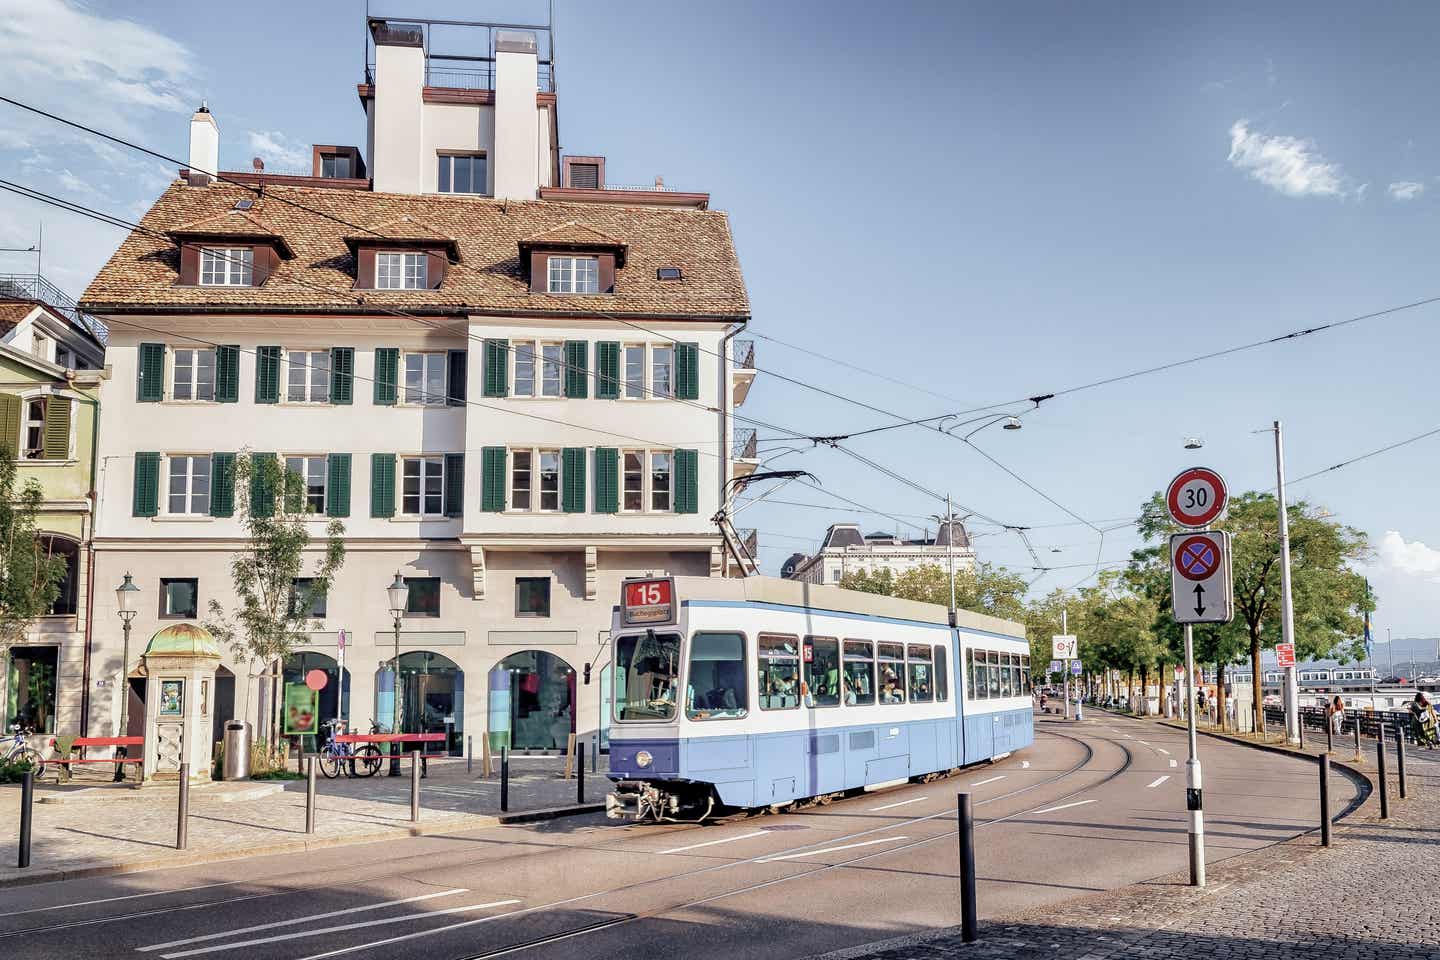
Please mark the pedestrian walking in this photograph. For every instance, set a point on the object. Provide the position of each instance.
(1336, 715)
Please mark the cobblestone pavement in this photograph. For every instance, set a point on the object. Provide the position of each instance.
(93, 826)
(1372, 896)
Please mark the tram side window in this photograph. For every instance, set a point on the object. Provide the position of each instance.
(1025, 673)
(979, 688)
(822, 671)
(716, 688)
(921, 672)
(891, 664)
(1012, 674)
(992, 667)
(779, 672)
(942, 675)
(859, 673)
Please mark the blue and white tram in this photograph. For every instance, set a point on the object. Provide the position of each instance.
(758, 692)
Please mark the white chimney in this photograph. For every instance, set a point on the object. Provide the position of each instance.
(517, 132)
(396, 157)
(204, 146)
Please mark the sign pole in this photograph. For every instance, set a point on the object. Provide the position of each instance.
(1065, 628)
(1287, 609)
(1192, 769)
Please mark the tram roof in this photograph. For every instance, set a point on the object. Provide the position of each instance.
(794, 593)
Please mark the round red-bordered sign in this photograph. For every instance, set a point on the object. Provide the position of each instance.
(1198, 558)
(1196, 497)
(316, 679)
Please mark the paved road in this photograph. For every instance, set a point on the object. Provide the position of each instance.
(1091, 806)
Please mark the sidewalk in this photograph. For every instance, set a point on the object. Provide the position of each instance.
(93, 828)
(1369, 897)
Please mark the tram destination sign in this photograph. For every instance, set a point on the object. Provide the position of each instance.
(648, 602)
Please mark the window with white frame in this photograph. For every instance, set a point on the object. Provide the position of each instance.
(535, 480)
(634, 371)
(401, 271)
(34, 429)
(521, 480)
(309, 473)
(422, 490)
(189, 486)
(524, 379)
(662, 371)
(574, 275)
(633, 481)
(646, 482)
(660, 470)
(192, 374)
(552, 364)
(425, 378)
(40, 345)
(227, 266)
(549, 480)
(309, 379)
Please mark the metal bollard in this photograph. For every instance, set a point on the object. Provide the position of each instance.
(1400, 758)
(580, 775)
(182, 819)
(1329, 735)
(469, 754)
(1358, 756)
(1301, 725)
(1324, 799)
(504, 779)
(27, 800)
(414, 786)
(310, 794)
(967, 867)
(1380, 766)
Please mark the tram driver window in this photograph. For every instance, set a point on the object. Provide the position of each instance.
(891, 664)
(779, 672)
(859, 673)
(822, 671)
(647, 668)
(716, 686)
(921, 673)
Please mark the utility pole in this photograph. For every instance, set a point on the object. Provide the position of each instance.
(1065, 664)
(1287, 609)
(1192, 769)
(950, 553)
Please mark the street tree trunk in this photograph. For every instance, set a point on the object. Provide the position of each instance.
(1220, 695)
(1145, 690)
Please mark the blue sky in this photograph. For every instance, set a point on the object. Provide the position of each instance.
(985, 201)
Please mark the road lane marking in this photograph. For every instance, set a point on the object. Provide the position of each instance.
(1163, 750)
(991, 780)
(1173, 763)
(711, 843)
(1024, 764)
(892, 806)
(344, 926)
(816, 853)
(1146, 742)
(313, 916)
(1157, 781)
(1064, 806)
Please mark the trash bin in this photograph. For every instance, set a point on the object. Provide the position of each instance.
(237, 751)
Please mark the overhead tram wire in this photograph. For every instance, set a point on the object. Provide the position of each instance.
(1365, 456)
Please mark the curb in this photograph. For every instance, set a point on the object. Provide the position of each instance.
(551, 813)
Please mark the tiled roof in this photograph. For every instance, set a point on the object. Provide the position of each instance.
(12, 312)
(231, 223)
(578, 233)
(404, 229)
(315, 222)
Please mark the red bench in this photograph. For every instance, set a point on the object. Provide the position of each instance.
(389, 737)
(103, 742)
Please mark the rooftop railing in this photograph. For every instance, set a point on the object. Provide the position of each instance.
(743, 354)
(744, 445)
(33, 286)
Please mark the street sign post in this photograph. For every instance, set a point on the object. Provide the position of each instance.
(1076, 668)
(1200, 585)
(1056, 666)
(1196, 497)
(1285, 654)
(1065, 646)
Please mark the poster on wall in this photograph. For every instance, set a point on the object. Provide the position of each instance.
(172, 698)
(302, 709)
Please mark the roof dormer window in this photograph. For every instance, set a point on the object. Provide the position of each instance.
(401, 271)
(573, 275)
(227, 266)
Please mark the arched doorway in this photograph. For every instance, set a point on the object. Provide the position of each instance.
(432, 697)
(539, 690)
(331, 701)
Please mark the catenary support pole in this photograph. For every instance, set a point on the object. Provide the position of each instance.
(27, 804)
(967, 867)
(1193, 802)
(414, 786)
(580, 773)
(504, 779)
(310, 794)
(1380, 770)
(1400, 757)
(1065, 664)
(182, 819)
(1287, 607)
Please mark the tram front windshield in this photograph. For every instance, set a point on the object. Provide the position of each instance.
(647, 674)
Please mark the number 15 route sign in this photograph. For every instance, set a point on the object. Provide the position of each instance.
(1200, 585)
(1196, 497)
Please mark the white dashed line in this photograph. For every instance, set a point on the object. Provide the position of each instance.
(1024, 764)
(816, 853)
(991, 780)
(1158, 780)
(1172, 763)
(711, 843)
(1065, 806)
(1163, 750)
(892, 806)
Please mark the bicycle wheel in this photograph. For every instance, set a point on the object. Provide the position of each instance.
(330, 766)
(368, 761)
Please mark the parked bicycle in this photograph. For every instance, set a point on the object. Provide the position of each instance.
(20, 751)
(338, 756)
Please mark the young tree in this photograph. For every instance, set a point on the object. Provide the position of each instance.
(271, 614)
(29, 574)
(986, 589)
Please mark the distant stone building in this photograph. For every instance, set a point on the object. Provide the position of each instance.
(846, 550)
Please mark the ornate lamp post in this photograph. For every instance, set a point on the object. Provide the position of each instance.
(125, 597)
(398, 594)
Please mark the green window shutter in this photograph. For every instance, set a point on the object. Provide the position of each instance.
(263, 476)
(147, 485)
(454, 484)
(607, 479)
(382, 484)
(150, 373)
(227, 374)
(492, 480)
(342, 375)
(267, 374)
(222, 484)
(687, 371)
(10, 424)
(607, 371)
(456, 387)
(577, 369)
(57, 428)
(687, 481)
(497, 364)
(572, 480)
(337, 485)
(387, 375)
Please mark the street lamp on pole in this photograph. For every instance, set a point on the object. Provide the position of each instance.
(125, 598)
(1010, 423)
(1287, 607)
(398, 595)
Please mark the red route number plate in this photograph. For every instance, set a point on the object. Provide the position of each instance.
(650, 601)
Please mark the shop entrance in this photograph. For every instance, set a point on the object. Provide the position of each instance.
(541, 689)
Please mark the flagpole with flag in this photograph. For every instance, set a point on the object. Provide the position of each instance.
(1369, 654)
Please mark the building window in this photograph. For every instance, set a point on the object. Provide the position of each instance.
(660, 461)
(227, 266)
(193, 375)
(423, 489)
(532, 596)
(424, 597)
(189, 490)
(425, 378)
(574, 275)
(308, 474)
(549, 479)
(662, 371)
(300, 588)
(524, 369)
(334, 166)
(34, 446)
(535, 480)
(552, 364)
(40, 345)
(520, 480)
(401, 271)
(309, 380)
(179, 598)
(68, 551)
(462, 173)
(634, 478)
(634, 371)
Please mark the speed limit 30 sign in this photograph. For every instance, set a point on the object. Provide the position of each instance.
(1196, 497)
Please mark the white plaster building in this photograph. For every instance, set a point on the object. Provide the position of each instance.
(846, 550)
(513, 385)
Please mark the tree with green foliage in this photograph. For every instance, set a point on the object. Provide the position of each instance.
(30, 574)
(271, 614)
(985, 589)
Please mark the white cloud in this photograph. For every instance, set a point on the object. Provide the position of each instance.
(1288, 164)
(1410, 557)
(1405, 190)
(279, 151)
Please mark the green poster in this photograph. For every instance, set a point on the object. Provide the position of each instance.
(302, 710)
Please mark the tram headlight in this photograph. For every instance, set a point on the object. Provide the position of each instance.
(643, 759)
